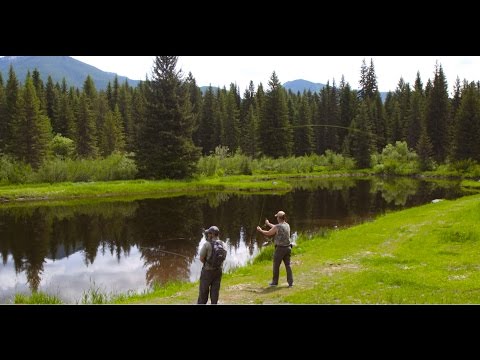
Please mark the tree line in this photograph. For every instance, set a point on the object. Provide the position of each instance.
(166, 123)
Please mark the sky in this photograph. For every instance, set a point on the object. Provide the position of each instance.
(223, 70)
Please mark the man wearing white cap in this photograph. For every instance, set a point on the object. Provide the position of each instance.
(283, 247)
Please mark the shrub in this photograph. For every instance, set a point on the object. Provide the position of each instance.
(13, 172)
(395, 160)
(62, 147)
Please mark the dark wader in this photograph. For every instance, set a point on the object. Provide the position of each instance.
(282, 253)
(210, 281)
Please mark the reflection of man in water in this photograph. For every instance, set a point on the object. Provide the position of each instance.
(210, 277)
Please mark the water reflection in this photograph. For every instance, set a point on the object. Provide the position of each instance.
(121, 246)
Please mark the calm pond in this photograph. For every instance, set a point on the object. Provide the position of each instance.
(119, 246)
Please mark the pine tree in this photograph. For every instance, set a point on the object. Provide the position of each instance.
(39, 89)
(251, 135)
(276, 138)
(416, 113)
(368, 81)
(377, 118)
(403, 95)
(221, 116)
(3, 118)
(86, 137)
(125, 108)
(138, 114)
(232, 131)
(101, 112)
(467, 131)
(90, 90)
(166, 148)
(303, 133)
(113, 138)
(360, 137)
(195, 95)
(437, 115)
(247, 120)
(33, 131)
(208, 124)
(347, 109)
(424, 149)
(12, 109)
(454, 106)
(66, 112)
(51, 97)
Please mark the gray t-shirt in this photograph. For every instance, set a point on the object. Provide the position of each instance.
(282, 237)
(206, 250)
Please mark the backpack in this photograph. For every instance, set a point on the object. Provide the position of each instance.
(219, 254)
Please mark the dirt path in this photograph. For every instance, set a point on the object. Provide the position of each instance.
(248, 289)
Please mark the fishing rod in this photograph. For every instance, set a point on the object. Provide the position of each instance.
(333, 126)
(165, 251)
(260, 219)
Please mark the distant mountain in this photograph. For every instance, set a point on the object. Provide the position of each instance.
(58, 67)
(301, 85)
(205, 88)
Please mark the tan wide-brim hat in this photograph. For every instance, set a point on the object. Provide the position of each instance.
(280, 213)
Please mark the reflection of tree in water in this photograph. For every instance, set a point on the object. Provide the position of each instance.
(25, 234)
(31, 234)
(166, 226)
(167, 265)
(237, 217)
(395, 190)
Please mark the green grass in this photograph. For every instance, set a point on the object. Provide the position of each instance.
(423, 255)
(137, 189)
(63, 191)
(36, 298)
(470, 184)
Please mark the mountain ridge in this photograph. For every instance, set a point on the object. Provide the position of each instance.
(76, 71)
(58, 67)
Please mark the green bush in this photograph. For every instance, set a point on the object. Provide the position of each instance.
(62, 147)
(395, 160)
(13, 172)
(208, 165)
(114, 167)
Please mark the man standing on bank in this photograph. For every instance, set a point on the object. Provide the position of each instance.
(283, 247)
(210, 277)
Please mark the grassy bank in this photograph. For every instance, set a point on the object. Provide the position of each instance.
(139, 188)
(427, 254)
(62, 191)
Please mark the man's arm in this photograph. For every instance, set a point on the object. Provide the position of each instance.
(203, 253)
(268, 223)
(270, 232)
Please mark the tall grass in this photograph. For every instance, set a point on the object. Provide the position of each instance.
(463, 168)
(36, 298)
(13, 172)
(114, 167)
(222, 163)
